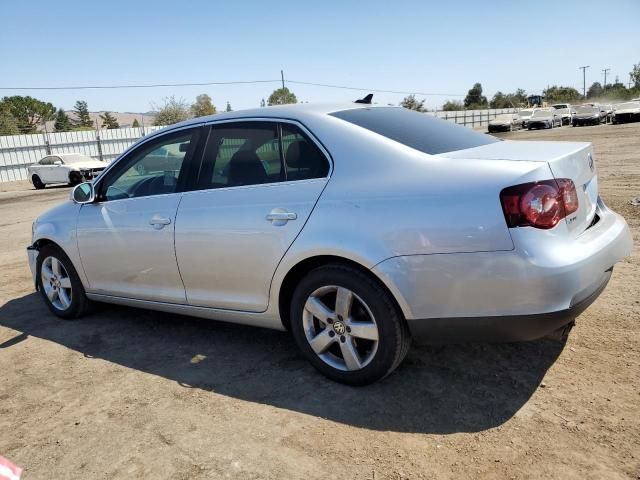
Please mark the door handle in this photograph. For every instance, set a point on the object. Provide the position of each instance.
(279, 216)
(159, 222)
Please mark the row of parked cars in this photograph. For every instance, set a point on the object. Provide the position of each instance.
(566, 114)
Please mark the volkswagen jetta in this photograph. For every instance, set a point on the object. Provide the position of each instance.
(359, 228)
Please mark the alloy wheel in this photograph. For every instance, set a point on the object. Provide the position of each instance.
(56, 283)
(340, 328)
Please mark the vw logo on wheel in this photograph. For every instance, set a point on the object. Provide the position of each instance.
(339, 327)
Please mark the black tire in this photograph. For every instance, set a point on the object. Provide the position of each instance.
(80, 304)
(37, 183)
(394, 338)
(75, 178)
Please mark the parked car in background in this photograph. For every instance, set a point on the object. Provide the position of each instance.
(71, 168)
(626, 112)
(525, 115)
(607, 108)
(564, 110)
(588, 115)
(461, 237)
(506, 122)
(544, 118)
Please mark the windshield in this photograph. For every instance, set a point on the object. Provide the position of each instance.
(560, 106)
(541, 114)
(586, 109)
(417, 130)
(525, 113)
(503, 118)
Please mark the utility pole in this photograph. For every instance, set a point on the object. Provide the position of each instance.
(584, 79)
(605, 71)
(282, 76)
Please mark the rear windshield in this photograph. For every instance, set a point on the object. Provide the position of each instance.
(416, 130)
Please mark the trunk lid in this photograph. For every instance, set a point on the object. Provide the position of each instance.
(573, 160)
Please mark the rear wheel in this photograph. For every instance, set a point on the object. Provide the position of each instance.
(37, 183)
(347, 325)
(59, 284)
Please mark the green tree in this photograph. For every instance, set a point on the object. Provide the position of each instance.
(559, 94)
(595, 90)
(203, 106)
(228, 109)
(475, 99)
(29, 112)
(135, 123)
(109, 121)
(83, 119)
(499, 100)
(635, 75)
(412, 103)
(617, 91)
(8, 123)
(508, 100)
(172, 111)
(452, 106)
(282, 96)
(62, 123)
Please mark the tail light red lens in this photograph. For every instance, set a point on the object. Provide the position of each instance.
(539, 204)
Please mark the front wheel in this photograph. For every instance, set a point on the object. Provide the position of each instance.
(75, 178)
(59, 284)
(347, 325)
(37, 183)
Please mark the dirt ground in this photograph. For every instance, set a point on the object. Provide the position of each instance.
(127, 393)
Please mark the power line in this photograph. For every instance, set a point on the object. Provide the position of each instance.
(200, 84)
(150, 85)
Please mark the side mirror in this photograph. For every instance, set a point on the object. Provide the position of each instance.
(58, 162)
(83, 193)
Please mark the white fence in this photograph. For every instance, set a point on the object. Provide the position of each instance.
(17, 152)
(473, 118)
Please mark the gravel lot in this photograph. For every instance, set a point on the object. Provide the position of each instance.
(127, 393)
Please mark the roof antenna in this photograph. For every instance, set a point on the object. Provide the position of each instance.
(366, 99)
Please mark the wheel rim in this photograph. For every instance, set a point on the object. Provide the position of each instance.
(340, 328)
(56, 283)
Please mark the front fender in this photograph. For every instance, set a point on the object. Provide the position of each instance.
(58, 226)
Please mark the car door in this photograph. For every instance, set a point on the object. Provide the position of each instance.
(44, 169)
(258, 183)
(59, 172)
(126, 237)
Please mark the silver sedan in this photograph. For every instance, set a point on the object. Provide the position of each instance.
(359, 228)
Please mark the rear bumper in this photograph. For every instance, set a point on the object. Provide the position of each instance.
(510, 328)
(521, 294)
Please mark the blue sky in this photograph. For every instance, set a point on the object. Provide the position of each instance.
(416, 46)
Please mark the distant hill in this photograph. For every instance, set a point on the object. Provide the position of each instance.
(125, 119)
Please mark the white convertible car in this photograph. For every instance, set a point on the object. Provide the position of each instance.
(71, 168)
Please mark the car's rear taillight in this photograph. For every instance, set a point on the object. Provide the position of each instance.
(539, 204)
